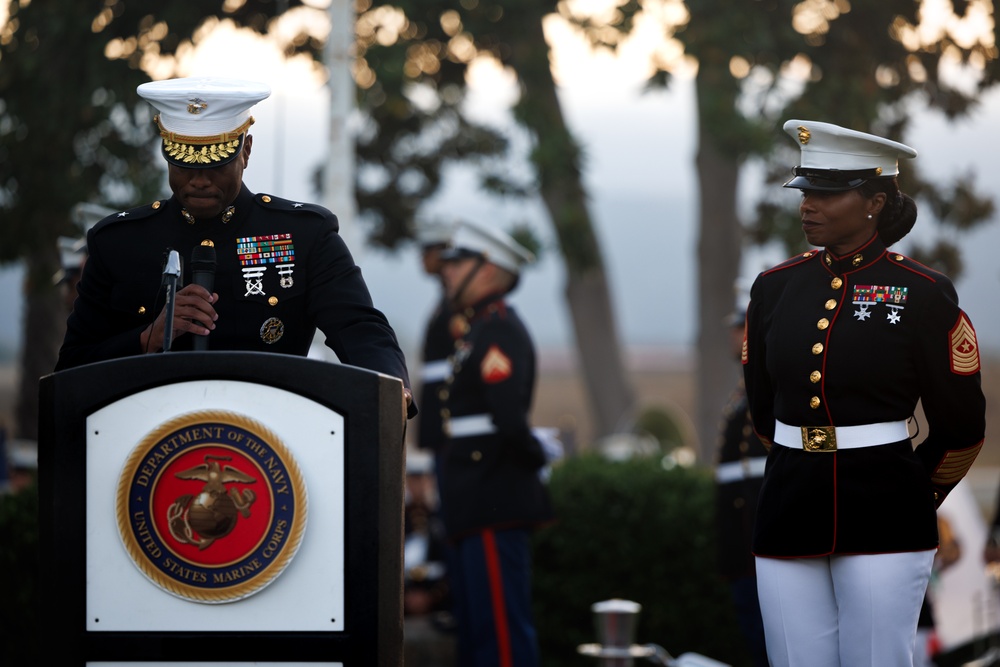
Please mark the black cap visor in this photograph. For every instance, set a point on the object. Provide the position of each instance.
(829, 180)
(455, 254)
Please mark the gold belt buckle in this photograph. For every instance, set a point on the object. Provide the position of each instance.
(819, 438)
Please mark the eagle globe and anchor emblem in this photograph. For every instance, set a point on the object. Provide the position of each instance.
(212, 514)
(211, 506)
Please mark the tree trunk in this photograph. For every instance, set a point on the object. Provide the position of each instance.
(338, 172)
(719, 250)
(44, 326)
(556, 157)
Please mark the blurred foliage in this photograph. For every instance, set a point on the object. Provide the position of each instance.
(73, 129)
(93, 141)
(635, 531)
(865, 68)
(411, 95)
(525, 235)
(87, 136)
(425, 49)
(19, 583)
(661, 424)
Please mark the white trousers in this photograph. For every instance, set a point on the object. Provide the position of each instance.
(842, 611)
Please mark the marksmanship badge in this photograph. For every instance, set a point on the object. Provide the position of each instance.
(211, 507)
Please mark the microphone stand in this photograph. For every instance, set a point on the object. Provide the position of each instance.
(171, 274)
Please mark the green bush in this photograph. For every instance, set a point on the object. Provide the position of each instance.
(661, 424)
(19, 576)
(635, 531)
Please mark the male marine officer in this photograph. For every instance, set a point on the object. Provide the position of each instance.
(282, 268)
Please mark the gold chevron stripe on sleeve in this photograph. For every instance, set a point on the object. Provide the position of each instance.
(964, 348)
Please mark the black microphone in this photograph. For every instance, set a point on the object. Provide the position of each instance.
(203, 273)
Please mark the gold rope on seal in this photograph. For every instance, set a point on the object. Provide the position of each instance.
(267, 574)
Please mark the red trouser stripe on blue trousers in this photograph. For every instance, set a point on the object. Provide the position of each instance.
(496, 593)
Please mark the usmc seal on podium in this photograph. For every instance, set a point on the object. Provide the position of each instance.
(211, 506)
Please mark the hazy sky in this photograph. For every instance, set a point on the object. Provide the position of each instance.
(639, 171)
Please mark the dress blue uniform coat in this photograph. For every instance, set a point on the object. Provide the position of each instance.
(736, 498)
(491, 491)
(438, 345)
(491, 480)
(856, 340)
(282, 271)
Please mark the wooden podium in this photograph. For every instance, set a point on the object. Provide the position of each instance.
(227, 508)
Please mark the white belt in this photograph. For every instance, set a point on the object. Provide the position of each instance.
(436, 371)
(832, 438)
(470, 425)
(734, 471)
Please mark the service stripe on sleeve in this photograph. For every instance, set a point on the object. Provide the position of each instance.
(955, 465)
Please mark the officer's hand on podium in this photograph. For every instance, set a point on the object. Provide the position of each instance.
(991, 552)
(192, 308)
(407, 402)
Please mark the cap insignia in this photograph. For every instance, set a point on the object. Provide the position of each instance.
(878, 171)
(196, 104)
(804, 135)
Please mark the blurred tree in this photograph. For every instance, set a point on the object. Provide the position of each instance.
(763, 61)
(413, 122)
(72, 129)
(431, 44)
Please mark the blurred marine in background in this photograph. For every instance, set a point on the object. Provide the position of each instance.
(738, 476)
(492, 492)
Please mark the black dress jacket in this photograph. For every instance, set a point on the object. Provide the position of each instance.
(857, 340)
(491, 478)
(739, 476)
(438, 346)
(282, 272)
